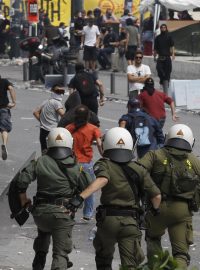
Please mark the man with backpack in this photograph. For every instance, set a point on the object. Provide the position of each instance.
(89, 88)
(176, 172)
(145, 130)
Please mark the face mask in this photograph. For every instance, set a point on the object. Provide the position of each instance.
(56, 96)
(150, 89)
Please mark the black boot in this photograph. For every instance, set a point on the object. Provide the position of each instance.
(39, 261)
(69, 264)
(103, 263)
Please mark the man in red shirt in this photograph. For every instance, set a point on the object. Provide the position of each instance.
(84, 134)
(153, 102)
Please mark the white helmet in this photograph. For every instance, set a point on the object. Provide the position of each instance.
(180, 136)
(60, 143)
(118, 145)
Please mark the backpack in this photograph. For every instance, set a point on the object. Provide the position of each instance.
(141, 130)
(180, 180)
(85, 84)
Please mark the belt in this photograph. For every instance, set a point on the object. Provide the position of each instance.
(175, 199)
(163, 57)
(58, 201)
(118, 211)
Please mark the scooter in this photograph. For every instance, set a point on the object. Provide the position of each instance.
(50, 59)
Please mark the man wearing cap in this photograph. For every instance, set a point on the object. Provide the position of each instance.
(137, 73)
(153, 102)
(49, 113)
(154, 132)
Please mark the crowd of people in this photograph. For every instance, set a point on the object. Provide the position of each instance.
(67, 176)
(164, 178)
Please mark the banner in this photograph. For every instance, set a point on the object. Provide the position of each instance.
(58, 10)
(117, 6)
(135, 8)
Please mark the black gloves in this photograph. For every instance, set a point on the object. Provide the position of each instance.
(155, 211)
(74, 203)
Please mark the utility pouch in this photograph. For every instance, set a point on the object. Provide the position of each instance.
(141, 219)
(194, 203)
(100, 214)
(193, 206)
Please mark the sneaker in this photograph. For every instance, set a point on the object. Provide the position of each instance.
(86, 219)
(69, 264)
(4, 152)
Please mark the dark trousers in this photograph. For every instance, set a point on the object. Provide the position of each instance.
(91, 103)
(43, 138)
(103, 56)
(164, 68)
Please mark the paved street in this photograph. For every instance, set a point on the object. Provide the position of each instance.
(16, 243)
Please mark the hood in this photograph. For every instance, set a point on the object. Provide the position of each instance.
(149, 89)
(177, 153)
(72, 101)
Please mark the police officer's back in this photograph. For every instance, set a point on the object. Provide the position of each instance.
(117, 216)
(176, 171)
(58, 179)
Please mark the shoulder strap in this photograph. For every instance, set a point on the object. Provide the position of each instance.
(64, 171)
(133, 180)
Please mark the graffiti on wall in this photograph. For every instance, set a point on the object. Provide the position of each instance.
(58, 10)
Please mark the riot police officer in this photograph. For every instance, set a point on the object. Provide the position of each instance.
(117, 216)
(176, 171)
(59, 178)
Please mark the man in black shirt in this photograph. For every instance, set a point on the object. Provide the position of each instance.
(89, 100)
(107, 49)
(5, 115)
(164, 48)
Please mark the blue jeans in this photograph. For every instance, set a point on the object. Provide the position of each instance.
(88, 208)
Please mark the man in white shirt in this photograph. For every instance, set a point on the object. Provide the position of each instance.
(49, 113)
(137, 75)
(90, 40)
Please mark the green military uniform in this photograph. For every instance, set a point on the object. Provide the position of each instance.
(117, 216)
(56, 181)
(175, 215)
